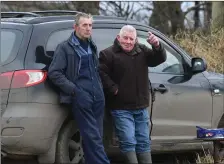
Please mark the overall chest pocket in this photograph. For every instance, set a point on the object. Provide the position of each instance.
(84, 61)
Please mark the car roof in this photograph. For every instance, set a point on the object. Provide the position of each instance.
(62, 16)
(36, 17)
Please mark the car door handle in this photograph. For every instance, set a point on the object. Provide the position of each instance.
(161, 88)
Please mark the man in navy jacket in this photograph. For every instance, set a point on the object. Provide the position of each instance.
(74, 69)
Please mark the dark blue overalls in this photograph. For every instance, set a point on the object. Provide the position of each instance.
(88, 106)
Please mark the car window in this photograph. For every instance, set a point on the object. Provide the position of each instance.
(172, 65)
(11, 40)
(103, 38)
(56, 38)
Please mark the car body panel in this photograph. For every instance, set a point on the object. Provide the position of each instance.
(35, 125)
(15, 61)
(217, 89)
(186, 104)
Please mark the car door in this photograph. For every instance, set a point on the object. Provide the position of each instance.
(182, 101)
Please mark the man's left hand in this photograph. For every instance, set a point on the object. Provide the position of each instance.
(153, 40)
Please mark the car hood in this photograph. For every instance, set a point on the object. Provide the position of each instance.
(214, 76)
(216, 80)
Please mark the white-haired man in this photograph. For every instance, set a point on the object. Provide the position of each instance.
(124, 74)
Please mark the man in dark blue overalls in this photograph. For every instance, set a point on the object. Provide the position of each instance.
(74, 71)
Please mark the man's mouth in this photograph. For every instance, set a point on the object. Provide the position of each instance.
(127, 46)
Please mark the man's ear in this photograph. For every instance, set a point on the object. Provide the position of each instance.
(75, 26)
(118, 37)
(136, 40)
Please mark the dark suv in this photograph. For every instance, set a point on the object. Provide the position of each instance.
(33, 121)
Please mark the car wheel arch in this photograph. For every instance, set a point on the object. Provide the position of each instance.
(50, 155)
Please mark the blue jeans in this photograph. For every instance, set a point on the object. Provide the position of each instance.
(132, 129)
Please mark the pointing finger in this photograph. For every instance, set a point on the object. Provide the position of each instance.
(149, 33)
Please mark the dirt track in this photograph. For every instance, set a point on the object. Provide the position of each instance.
(157, 159)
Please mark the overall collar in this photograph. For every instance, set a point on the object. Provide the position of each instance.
(75, 42)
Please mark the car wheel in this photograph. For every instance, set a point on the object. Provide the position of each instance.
(69, 145)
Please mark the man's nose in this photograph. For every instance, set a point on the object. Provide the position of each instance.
(88, 28)
(129, 40)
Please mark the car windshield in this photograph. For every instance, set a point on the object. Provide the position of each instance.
(10, 42)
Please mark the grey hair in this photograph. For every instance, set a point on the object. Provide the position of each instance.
(127, 28)
(81, 15)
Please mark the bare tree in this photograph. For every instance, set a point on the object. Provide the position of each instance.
(196, 15)
(207, 14)
(130, 10)
(168, 17)
(217, 14)
(89, 7)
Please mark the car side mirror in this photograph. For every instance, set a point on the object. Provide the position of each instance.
(198, 65)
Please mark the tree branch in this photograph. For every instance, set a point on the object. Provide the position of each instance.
(194, 8)
(108, 7)
(144, 7)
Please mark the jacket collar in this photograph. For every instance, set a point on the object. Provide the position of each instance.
(117, 48)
